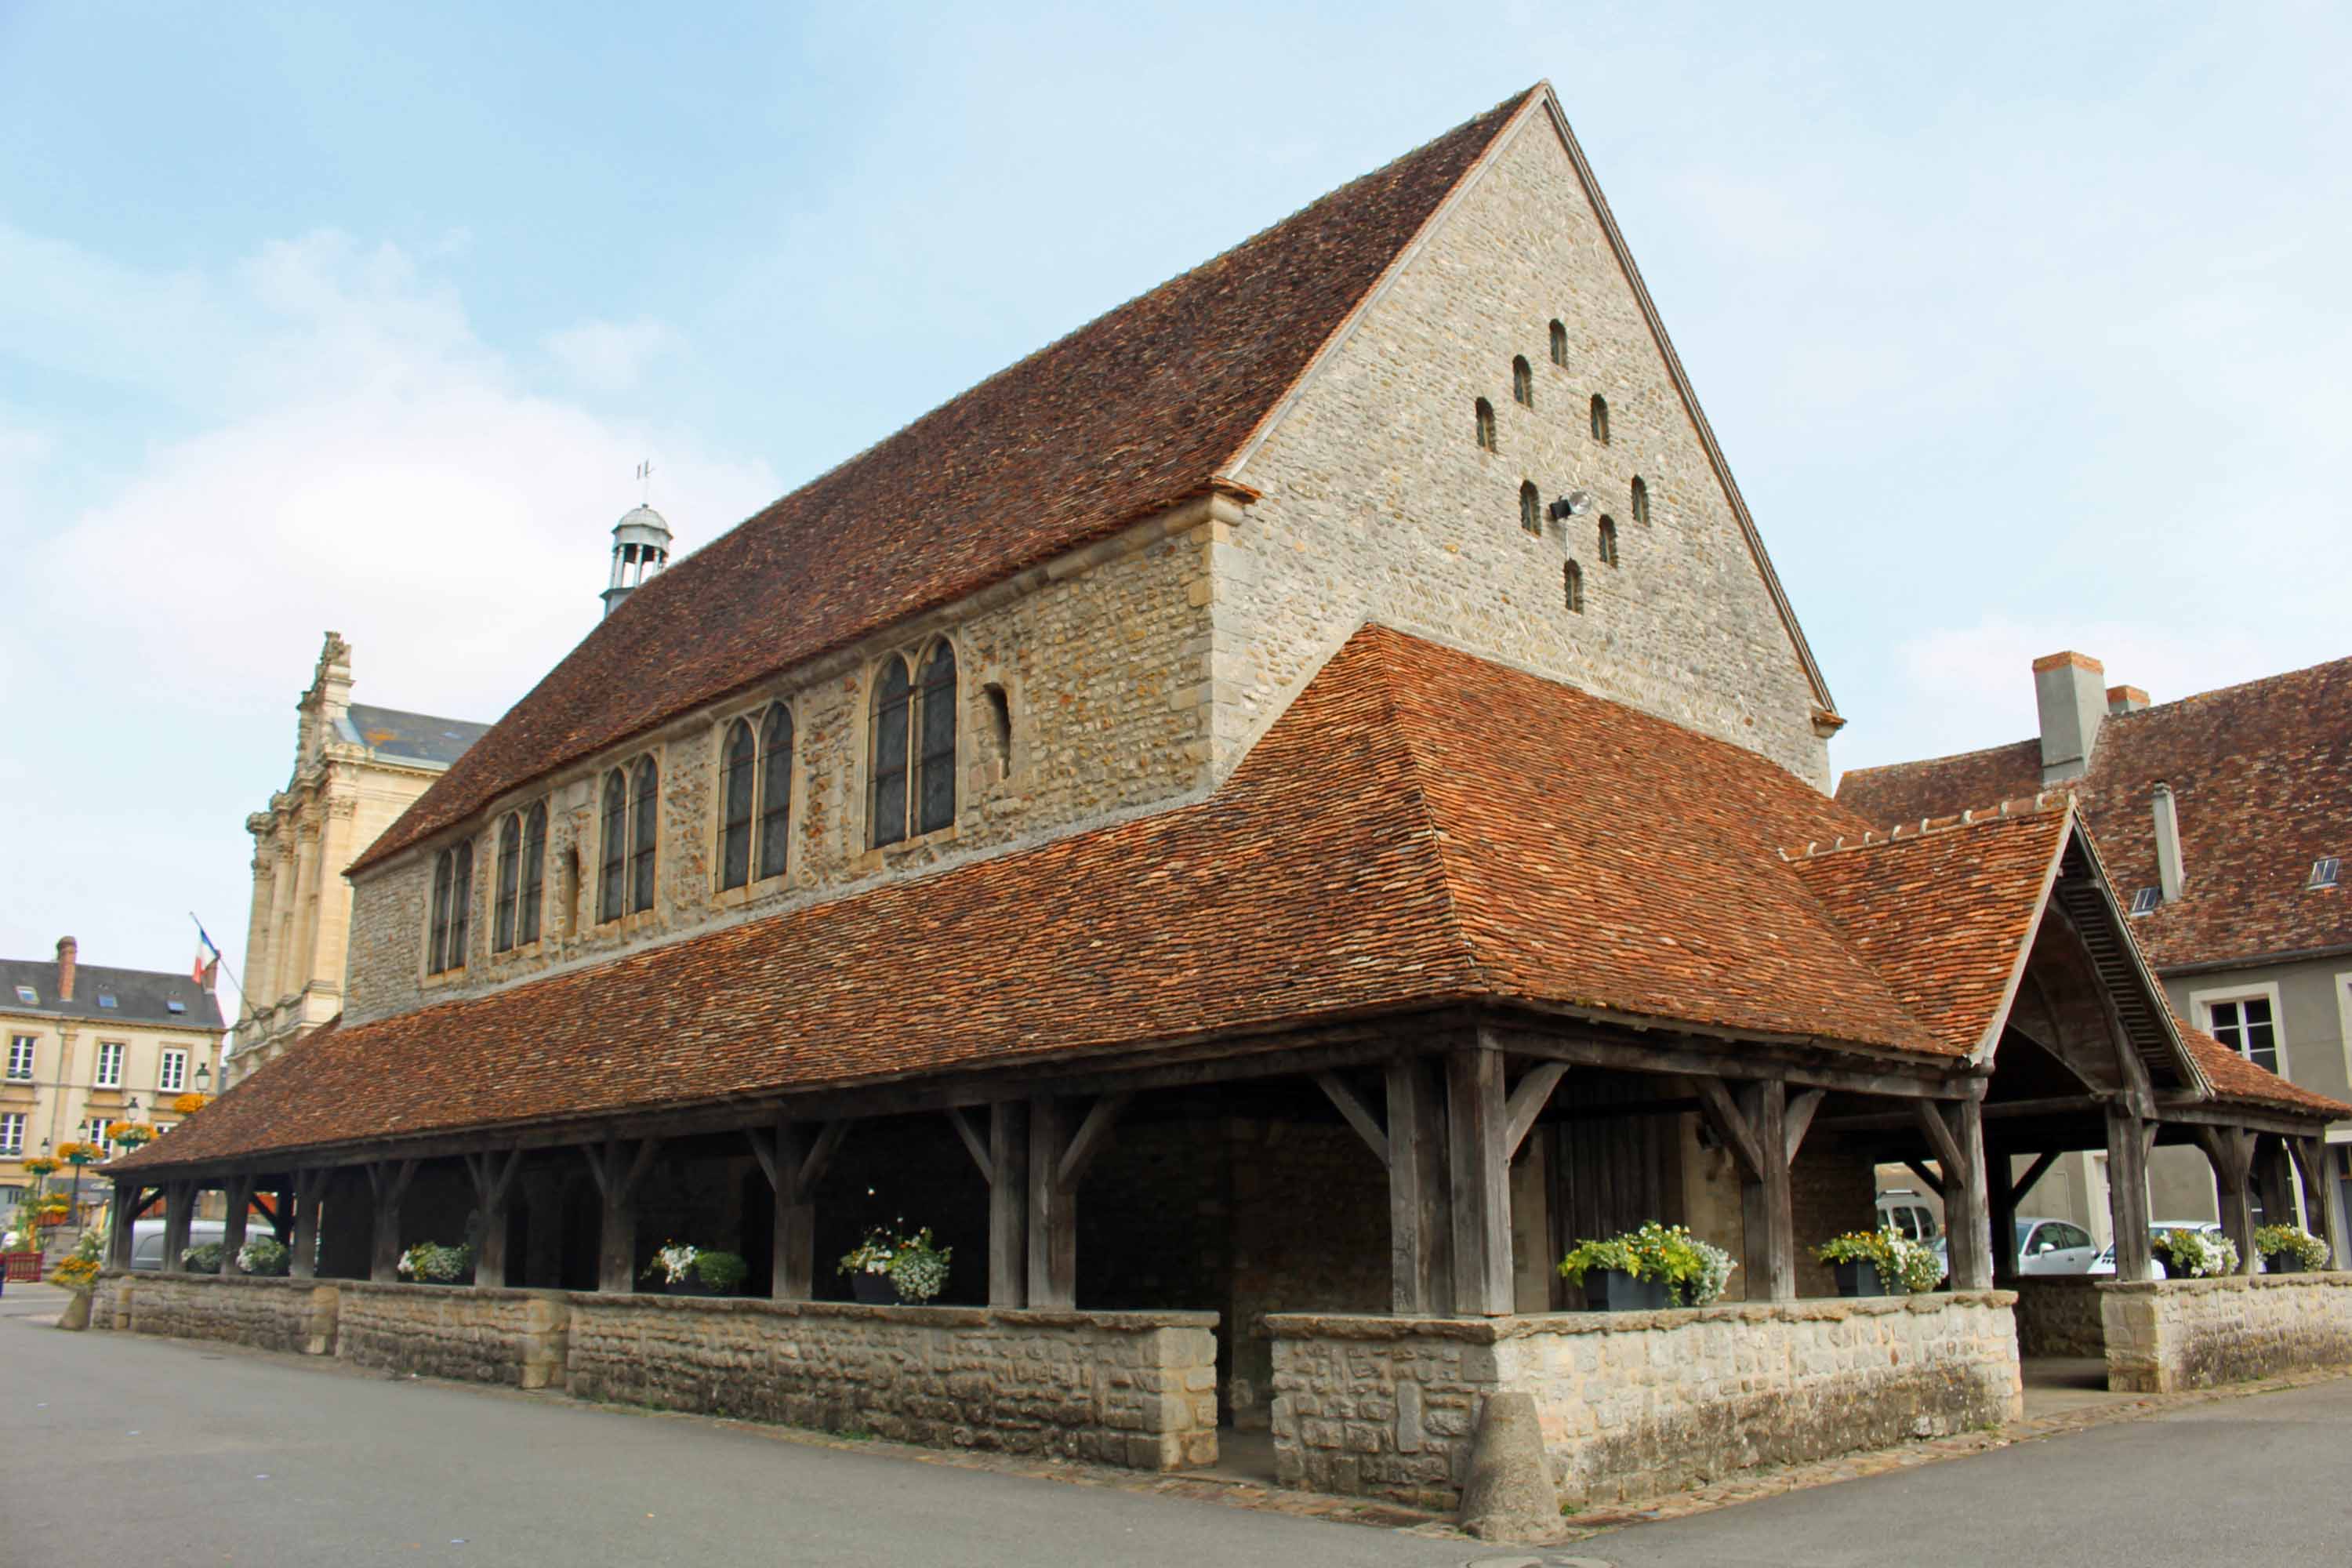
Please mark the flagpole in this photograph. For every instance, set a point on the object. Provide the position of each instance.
(218, 957)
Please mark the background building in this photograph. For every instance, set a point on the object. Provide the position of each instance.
(87, 1046)
(356, 768)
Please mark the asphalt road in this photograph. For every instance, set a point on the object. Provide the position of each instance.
(148, 1451)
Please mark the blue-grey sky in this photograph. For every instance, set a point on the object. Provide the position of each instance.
(2023, 331)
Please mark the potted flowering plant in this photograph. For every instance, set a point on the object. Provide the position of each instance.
(77, 1274)
(2289, 1250)
(885, 1268)
(431, 1263)
(1880, 1263)
(2195, 1254)
(130, 1134)
(191, 1102)
(264, 1255)
(203, 1259)
(1648, 1270)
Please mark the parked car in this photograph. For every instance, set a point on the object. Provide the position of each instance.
(147, 1240)
(2054, 1246)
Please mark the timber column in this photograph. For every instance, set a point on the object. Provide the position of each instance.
(2127, 1191)
(1479, 1151)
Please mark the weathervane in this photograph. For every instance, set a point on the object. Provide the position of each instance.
(646, 483)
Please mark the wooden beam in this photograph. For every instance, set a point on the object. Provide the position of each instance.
(2311, 1161)
(2253, 1120)
(1800, 1118)
(179, 1210)
(1730, 1124)
(1968, 1212)
(764, 1150)
(972, 1143)
(1420, 1220)
(1932, 1180)
(2034, 1174)
(1354, 1112)
(1768, 1206)
(2127, 1194)
(236, 1194)
(821, 1151)
(1008, 1206)
(1480, 1168)
(1936, 1079)
(1940, 1142)
(309, 1188)
(2230, 1152)
(1091, 1139)
(791, 1272)
(1053, 1209)
(389, 1180)
(1526, 1102)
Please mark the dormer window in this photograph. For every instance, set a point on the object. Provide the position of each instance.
(27, 996)
(106, 999)
(2324, 871)
(2147, 900)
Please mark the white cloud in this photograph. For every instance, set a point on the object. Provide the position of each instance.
(608, 356)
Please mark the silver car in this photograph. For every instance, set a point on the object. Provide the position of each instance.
(2054, 1246)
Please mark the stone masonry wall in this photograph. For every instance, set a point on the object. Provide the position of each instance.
(1379, 504)
(1635, 1405)
(472, 1335)
(2168, 1334)
(1101, 661)
(292, 1315)
(2060, 1316)
(1137, 1389)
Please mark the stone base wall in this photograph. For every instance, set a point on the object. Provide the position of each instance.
(1635, 1405)
(294, 1315)
(1137, 1389)
(2167, 1334)
(473, 1335)
(2059, 1316)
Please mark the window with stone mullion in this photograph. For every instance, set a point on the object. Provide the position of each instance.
(502, 926)
(461, 907)
(891, 705)
(534, 873)
(775, 790)
(936, 804)
(611, 870)
(436, 936)
(643, 834)
(735, 796)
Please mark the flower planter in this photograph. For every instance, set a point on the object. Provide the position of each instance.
(874, 1289)
(1859, 1278)
(688, 1286)
(1614, 1290)
(2282, 1263)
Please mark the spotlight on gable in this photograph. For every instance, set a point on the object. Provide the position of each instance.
(1575, 503)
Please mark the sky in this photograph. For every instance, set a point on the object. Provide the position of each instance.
(2020, 331)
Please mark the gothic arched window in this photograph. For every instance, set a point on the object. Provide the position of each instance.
(1523, 382)
(453, 903)
(775, 790)
(1571, 584)
(1559, 345)
(1641, 500)
(437, 932)
(502, 923)
(1601, 419)
(534, 873)
(645, 831)
(892, 700)
(1530, 508)
(1484, 413)
(935, 789)
(611, 870)
(738, 779)
(1609, 542)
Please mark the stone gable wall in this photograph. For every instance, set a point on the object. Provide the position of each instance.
(1102, 661)
(1378, 504)
(2163, 1335)
(1635, 1405)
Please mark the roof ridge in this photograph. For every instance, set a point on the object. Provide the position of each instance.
(2017, 809)
(1846, 774)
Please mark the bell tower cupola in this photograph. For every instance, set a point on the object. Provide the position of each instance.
(640, 548)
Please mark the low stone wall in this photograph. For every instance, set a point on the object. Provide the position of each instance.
(296, 1315)
(1635, 1405)
(2060, 1316)
(2168, 1334)
(474, 1336)
(1136, 1389)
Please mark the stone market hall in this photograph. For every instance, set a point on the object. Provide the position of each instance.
(1260, 825)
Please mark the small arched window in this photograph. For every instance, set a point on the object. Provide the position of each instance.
(1571, 585)
(502, 923)
(935, 805)
(775, 790)
(534, 873)
(1485, 417)
(1523, 382)
(1641, 500)
(892, 700)
(1559, 345)
(739, 778)
(644, 832)
(1530, 508)
(611, 870)
(1609, 542)
(1601, 419)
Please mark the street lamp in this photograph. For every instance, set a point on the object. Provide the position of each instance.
(204, 1079)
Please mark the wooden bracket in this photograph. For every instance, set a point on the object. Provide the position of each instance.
(1723, 1114)
(390, 1179)
(1526, 1102)
(1368, 1126)
(1092, 1136)
(494, 1175)
(1800, 1120)
(1941, 1140)
(1929, 1179)
(617, 1182)
(2033, 1172)
(974, 1145)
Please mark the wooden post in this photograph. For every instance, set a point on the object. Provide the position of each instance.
(1008, 1204)
(1059, 1153)
(2000, 1207)
(1476, 1126)
(543, 1197)
(1766, 1205)
(2274, 1179)
(237, 1194)
(617, 1170)
(1421, 1219)
(494, 1175)
(310, 1186)
(131, 1201)
(794, 1161)
(2128, 1193)
(2230, 1152)
(2311, 1160)
(179, 1208)
(389, 1181)
(1955, 1131)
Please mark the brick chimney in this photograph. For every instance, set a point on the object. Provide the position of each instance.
(2171, 873)
(2069, 691)
(2123, 700)
(66, 950)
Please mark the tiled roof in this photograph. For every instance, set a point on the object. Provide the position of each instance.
(2262, 782)
(1944, 915)
(140, 996)
(2235, 1079)
(1133, 413)
(411, 737)
(1422, 827)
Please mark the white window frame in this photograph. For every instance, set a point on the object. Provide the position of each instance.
(166, 1080)
(103, 1078)
(2344, 1022)
(94, 1128)
(2200, 1004)
(12, 1137)
(27, 1047)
